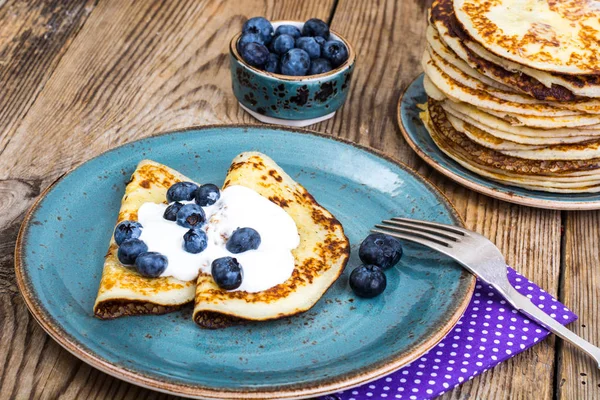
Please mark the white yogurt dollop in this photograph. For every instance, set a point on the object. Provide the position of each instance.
(269, 265)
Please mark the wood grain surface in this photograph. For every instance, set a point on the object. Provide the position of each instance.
(79, 78)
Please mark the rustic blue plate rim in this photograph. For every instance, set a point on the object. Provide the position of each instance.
(43, 313)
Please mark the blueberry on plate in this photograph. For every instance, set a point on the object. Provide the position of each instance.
(319, 66)
(288, 30)
(243, 239)
(283, 43)
(127, 230)
(272, 64)
(320, 41)
(181, 191)
(316, 27)
(195, 241)
(129, 250)
(381, 250)
(191, 215)
(255, 54)
(336, 52)
(227, 273)
(151, 264)
(368, 281)
(260, 26)
(309, 45)
(207, 195)
(295, 62)
(172, 210)
(248, 38)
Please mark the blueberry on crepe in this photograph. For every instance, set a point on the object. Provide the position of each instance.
(172, 210)
(129, 251)
(190, 216)
(127, 230)
(181, 191)
(227, 273)
(195, 241)
(207, 195)
(151, 264)
(243, 239)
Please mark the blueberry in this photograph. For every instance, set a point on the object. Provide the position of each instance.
(309, 45)
(243, 239)
(368, 281)
(288, 30)
(151, 264)
(130, 250)
(320, 41)
(255, 54)
(316, 27)
(283, 43)
(319, 66)
(336, 52)
(272, 64)
(295, 62)
(207, 195)
(248, 38)
(227, 273)
(127, 230)
(172, 210)
(381, 250)
(181, 191)
(195, 241)
(191, 215)
(260, 26)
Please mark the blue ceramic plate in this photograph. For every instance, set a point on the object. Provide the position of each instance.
(418, 138)
(342, 342)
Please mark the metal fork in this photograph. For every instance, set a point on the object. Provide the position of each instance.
(483, 259)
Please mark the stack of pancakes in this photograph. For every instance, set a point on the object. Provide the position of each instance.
(514, 90)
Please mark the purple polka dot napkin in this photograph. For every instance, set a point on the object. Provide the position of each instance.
(489, 332)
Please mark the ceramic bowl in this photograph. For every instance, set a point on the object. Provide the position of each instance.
(290, 100)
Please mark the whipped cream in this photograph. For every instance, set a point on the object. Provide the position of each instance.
(269, 265)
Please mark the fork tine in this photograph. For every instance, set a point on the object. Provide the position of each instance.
(450, 228)
(416, 239)
(433, 231)
(391, 230)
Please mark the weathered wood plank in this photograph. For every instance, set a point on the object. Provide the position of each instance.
(578, 376)
(136, 68)
(388, 37)
(34, 35)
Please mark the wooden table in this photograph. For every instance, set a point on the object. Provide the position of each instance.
(80, 77)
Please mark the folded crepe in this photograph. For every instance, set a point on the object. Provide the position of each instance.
(320, 257)
(122, 290)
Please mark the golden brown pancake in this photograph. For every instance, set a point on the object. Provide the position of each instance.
(319, 259)
(542, 85)
(122, 290)
(455, 140)
(554, 36)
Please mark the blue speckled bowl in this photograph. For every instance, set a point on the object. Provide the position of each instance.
(290, 100)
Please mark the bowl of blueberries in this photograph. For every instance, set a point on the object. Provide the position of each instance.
(290, 73)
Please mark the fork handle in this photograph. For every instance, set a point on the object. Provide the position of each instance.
(523, 304)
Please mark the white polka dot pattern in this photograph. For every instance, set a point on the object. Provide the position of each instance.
(489, 332)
